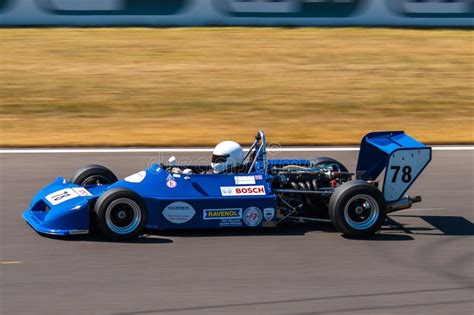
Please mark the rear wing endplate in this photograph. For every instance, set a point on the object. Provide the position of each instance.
(402, 157)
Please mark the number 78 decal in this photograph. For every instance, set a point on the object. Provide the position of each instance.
(403, 168)
(406, 176)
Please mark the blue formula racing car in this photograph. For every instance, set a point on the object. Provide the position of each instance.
(260, 193)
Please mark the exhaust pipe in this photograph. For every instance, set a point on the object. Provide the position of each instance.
(403, 204)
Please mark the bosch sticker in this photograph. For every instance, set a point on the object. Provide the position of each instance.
(258, 190)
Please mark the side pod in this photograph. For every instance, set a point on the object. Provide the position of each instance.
(402, 157)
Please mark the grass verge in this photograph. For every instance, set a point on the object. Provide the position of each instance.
(197, 86)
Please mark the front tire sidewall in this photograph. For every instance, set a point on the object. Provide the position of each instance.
(108, 201)
(343, 195)
(92, 174)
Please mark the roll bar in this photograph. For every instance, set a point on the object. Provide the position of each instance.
(260, 148)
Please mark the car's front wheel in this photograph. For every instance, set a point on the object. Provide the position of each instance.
(120, 214)
(93, 175)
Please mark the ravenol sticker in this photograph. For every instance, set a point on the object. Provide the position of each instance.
(222, 214)
(61, 196)
(179, 212)
(252, 216)
(244, 180)
(258, 190)
(269, 213)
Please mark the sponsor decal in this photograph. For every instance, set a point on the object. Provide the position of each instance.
(269, 224)
(170, 182)
(258, 190)
(179, 212)
(269, 213)
(244, 180)
(258, 177)
(230, 223)
(61, 196)
(221, 214)
(252, 216)
(81, 191)
(136, 178)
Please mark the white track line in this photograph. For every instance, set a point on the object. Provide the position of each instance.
(191, 150)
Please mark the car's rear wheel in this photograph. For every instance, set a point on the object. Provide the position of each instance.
(93, 175)
(357, 208)
(120, 214)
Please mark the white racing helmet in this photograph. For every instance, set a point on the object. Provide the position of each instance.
(226, 154)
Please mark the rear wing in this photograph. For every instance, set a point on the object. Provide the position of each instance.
(402, 157)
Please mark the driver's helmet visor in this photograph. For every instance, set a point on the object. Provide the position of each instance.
(219, 158)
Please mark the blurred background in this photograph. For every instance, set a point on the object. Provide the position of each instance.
(138, 86)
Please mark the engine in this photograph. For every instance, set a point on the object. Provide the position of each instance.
(306, 189)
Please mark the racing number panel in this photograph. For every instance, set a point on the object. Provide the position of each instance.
(403, 168)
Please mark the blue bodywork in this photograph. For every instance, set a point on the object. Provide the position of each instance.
(201, 192)
(67, 218)
(207, 200)
(376, 147)
(378, 152)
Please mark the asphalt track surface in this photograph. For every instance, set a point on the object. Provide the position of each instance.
(421, 262)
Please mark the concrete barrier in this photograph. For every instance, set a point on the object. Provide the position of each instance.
(432, 13)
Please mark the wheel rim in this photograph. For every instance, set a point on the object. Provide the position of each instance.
(361, 212)
(123, 216)
(95, 180)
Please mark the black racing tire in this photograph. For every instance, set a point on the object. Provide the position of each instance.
(357, 209)
(93, 175)
(322, 160)
(120, 214)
